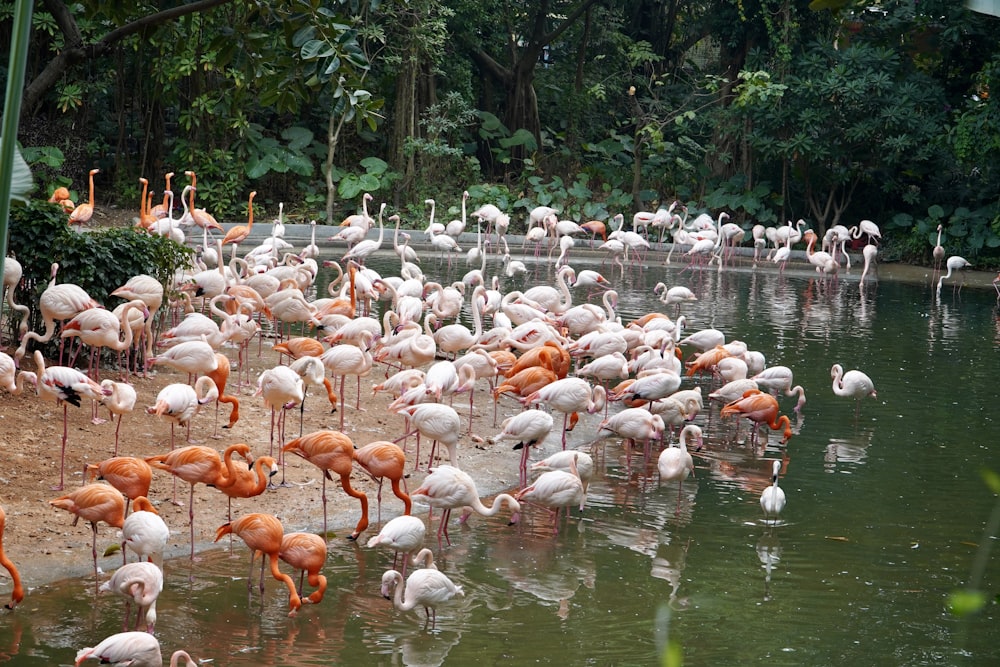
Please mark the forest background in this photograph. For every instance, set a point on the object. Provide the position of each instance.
(771, 110)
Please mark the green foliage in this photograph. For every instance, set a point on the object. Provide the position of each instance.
(442, 154)
(376, 176)
(500, 140)
(98, 261)
(270, 155)
(754, 205)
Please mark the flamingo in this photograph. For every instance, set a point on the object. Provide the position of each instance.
(194, 357)
(365, 248)
(220, 377)
(596, 228)
(382, 459)
(199, 216)
(344, 360)
(58, 302)
(299, 347)
(869, 252)
(99, 328)
(938, 251)
(954, 263)
(823, 261)
(656, 384)
(313, 374)
(852, 384)
(404, 535)
(311, 250)
(569, 395)
(239, 233)
(250, 480)
(281, 388)
(82, 214)
(161, 210)
(67, 386)
(760, 408)
(772, 499)
(448, 487)
(306, 552)
(144, 532)
(425, 588)
(332, 451)
(12, 273)
(197, 464)
(437, 422)
(632, 424)
(18, 593)
(130, 475)
(263, 533)
(362, 219)
(179, 403)
(869, 229)
(779, 378)
(527, 428)
(566, 460)
(554, 490)
(120, 401)
(94, 503)
(140, 583)
(135, 649)
(675, 462)
(455, 228)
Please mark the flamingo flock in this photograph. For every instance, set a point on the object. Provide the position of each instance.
(537, 353)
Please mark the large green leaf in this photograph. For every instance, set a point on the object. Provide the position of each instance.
(21, 183)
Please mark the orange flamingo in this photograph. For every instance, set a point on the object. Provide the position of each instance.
(306, 552)
(18, 593)
(61, 196)
(332, 451)
(526, 382)
(300, 347)
(251, 480)
(706, 361)
(238, 234)
(263, 533)
(596, 228)
(220, 376)
(200, 216)
(760, 408)
(383, 459)
(195, 464)
(550, 355)
(94, 503)
(84, 212)
(161, 210)
(130, 475)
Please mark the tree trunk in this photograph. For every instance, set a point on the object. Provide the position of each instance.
(332, 139)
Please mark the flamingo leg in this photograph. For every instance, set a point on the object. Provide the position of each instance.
(62, 458)
(323, 496)
(191, 519)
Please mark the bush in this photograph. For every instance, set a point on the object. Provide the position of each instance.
(99, 261)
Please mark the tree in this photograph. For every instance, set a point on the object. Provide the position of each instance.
(525, 36)
(76, 48)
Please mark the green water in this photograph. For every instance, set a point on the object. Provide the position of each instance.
(884, 518)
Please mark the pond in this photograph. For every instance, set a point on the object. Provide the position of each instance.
(885, 517)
